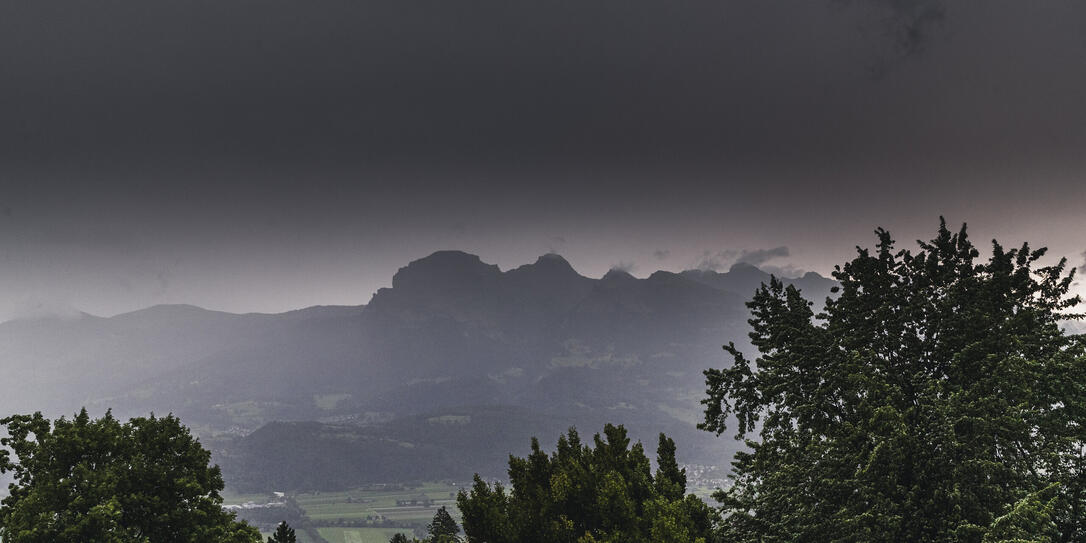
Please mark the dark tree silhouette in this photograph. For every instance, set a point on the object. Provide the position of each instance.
(443, 528)
(283, 534)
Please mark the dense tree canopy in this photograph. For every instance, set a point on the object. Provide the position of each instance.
(935, 399)
(604, 492)
(147, 480)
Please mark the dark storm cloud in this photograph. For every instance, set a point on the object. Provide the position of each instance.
(908, 25)
(913, 22)
(191, 85)
(265, 154)
(270, 88)
(661, 254)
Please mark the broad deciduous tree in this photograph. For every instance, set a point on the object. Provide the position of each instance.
(79, 480)
(935, 399)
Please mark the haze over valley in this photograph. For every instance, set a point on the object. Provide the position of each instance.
(458, 362)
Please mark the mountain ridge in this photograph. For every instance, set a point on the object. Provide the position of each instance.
(550, 261)
(451, 331)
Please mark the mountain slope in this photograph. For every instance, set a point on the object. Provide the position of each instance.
(452, 331)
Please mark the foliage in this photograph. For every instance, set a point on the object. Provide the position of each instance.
(78, 480)
(935, 399)
(443, 528)
(283, 534)
(604, 492)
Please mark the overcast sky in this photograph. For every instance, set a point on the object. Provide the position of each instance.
(268, 155)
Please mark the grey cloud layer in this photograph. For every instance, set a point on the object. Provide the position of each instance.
(121, 85)
(718, 260)
(267, 154)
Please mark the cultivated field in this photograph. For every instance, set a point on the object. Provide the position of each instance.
(359, 535)
(364, 515)
(374, 503)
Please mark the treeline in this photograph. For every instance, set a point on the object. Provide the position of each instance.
(604, 491)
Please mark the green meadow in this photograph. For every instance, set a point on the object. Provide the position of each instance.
(364, 515)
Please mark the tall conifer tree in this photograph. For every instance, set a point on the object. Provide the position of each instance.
(283, 534)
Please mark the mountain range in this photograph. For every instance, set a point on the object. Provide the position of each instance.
(445, 373)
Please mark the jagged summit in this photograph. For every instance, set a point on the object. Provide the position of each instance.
(551, 258)
(550, 263)
(743, 267)
(616, 275)
(449, 260)
(443, 268)
(465, 276)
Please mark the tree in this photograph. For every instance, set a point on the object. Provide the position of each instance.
(603, 492)
(399, 538)
(283, 534)
(443, 528)
(670, 480)
(935, 399)
(78, 480)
